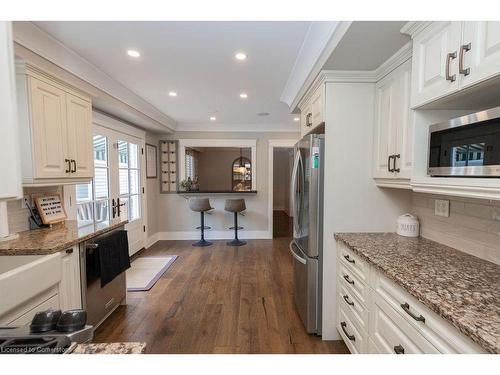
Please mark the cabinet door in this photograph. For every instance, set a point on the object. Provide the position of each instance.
(483, 57)
(385, 133)
(69, 287)
(79, 131)
(48, 116)
(400, 115)
(430, 55)
(317, 116)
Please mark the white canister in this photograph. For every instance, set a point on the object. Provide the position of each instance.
(408, 225)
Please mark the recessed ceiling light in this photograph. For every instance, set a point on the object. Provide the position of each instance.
(240, 56)
(172, 93)
(243, 95)
(133, 53)
(296, 119)
(213, 118)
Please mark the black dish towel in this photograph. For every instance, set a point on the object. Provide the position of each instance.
(113, 255)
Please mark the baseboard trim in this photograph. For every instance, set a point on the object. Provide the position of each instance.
(209, 235)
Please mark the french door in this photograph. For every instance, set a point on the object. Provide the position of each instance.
(116, 190)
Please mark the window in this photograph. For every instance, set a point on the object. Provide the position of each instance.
(129, 179)
(190, 167)
(93, 198)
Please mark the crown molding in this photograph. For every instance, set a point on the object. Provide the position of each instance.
(238, 128)
(359, 76)
(34, 39)
(412, 28)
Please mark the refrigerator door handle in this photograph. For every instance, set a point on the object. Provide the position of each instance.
(293, 190)
(295, 255)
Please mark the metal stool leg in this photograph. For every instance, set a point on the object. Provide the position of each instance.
(236, 241)
(202, 242)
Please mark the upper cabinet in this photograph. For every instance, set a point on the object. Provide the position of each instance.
(56, 130)
(312, 111)
(10, 188)
(393, 135)
(450, 56)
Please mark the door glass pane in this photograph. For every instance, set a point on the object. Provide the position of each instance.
(101, 183)
(123, 154)
(124, 208)
(133, 155)
(101, 210)
(134, 210)
(124, 187)
(85, 214)
(100, 151)
(84, 192)
(134, 181)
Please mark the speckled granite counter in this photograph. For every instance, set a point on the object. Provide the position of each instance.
(111, 348)
(58, 238)
(461, 288)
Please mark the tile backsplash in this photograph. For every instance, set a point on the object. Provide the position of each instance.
(472, 227)
(18, 216)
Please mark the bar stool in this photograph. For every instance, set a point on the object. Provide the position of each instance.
(201, 205)
(236, 206)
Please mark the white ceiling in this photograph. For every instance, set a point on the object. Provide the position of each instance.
(366, 45)
(196, 59)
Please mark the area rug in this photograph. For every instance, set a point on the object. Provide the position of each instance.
(144, 272)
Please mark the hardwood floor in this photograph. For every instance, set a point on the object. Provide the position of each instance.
(282, 224)
(218, 299)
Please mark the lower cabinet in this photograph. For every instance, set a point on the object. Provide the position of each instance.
(69, 288)
(375, 315)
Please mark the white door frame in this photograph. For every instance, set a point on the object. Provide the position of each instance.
(274, 143)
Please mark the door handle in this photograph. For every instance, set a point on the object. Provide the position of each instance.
(406, 307)
(346, 278)
(118, 205)
(68, 169)
(349, 259)
(308, 117)
(295, 255)
(73, 162)
(463, 48)
(346, 299)
(389, 163)
(349, 336)
(394, 169)
(449, 57)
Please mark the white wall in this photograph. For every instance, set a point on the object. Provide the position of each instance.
(170, 218)
(353, 203)
(281, 178)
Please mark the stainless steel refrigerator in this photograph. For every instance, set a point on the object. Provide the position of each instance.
(307, 244)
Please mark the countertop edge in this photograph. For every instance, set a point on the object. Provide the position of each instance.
(110, 348)
(429, 304)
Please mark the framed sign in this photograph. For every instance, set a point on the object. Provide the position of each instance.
(151, 161)
(50, 208)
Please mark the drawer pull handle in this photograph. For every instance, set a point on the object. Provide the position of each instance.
(349, 259)
(346, 278)
(346, 299)
(350, 337)
(398, 349)
(406, 307)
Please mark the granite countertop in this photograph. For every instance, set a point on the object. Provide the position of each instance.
(111, 348)
(58, 238)
(461, 288)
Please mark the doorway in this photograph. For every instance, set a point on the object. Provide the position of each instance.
(282, 204)
(116, 189)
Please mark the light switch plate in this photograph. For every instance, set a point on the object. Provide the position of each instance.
(442, 207)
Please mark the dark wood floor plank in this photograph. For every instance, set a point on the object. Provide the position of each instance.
(217, 299)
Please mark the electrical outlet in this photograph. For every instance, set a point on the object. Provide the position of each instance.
(442, 207)
(23, 202)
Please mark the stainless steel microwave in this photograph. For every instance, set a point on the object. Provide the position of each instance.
(468, 146)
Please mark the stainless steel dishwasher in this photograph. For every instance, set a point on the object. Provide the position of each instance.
(99, 301)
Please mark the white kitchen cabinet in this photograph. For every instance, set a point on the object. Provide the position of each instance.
(312, 110)
(480, 49)
(449, 56)
(69, 287)
(10, 166)
(55, 124)
(393, 134)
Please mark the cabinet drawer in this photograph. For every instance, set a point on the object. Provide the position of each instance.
(353, 284)
(353, 261)
(350, 302)
(391, 333)
(51, 303)
(353, 336)
(445, 337)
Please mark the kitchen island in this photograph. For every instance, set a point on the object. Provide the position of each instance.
(111, 348)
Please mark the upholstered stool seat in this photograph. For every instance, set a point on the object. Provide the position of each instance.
(201, 205)
(236, 206)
